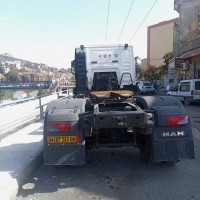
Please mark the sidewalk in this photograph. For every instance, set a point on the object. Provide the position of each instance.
(20, 155)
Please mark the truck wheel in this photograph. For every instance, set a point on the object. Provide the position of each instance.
(145, 149)
(186, 101)
(170, 162)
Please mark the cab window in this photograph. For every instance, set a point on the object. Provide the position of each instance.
(197, 85)
(175, 88)
(185, 87)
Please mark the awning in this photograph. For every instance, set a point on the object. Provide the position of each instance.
(191, 53)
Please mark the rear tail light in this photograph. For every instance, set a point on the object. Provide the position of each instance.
(177, 120)
(57, 127)
(192, 92)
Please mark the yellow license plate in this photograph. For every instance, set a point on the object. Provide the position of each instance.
(62, 139)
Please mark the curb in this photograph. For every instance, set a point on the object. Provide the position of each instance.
(12, 130)
(10, 191)
(30, 169)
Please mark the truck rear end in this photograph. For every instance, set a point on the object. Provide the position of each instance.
(158, 126)
(106, 113)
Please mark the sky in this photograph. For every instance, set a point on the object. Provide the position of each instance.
(47, 31)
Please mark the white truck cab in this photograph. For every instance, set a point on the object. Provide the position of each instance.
(187, 91)
(99, 67)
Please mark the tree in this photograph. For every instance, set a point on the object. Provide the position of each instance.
(63, 70)
(22, 70)
(12, 75)
(158, 72)
(139, 72)
(152, 73)
(1, 69)
(164, 68)
(41, 92)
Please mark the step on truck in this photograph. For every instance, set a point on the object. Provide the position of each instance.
(107, 112)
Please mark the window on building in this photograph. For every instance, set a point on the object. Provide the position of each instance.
(197, 73)
(197, 70)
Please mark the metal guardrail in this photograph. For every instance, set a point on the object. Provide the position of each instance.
(25, 85)
(17, 114)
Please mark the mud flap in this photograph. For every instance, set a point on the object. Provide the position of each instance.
(65, 155)
(172, 143)
(58, 148)
(168, 142)
(172, 150)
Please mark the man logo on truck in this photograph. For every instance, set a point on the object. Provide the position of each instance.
(168, 134)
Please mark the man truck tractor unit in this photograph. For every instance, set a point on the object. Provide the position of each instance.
(105, 112)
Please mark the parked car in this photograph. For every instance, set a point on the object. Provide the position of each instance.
(145, 87)
(187, 91)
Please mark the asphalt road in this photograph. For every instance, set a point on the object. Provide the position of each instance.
(194, 112)
(120, 174)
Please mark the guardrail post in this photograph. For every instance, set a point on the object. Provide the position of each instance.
(41, 109)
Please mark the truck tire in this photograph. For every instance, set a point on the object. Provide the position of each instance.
(170, 162)
(146, 153)
(187, 101)
(145, 149)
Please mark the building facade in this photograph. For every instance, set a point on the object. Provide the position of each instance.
(186, 45)
(19, 95)
(144, 64)
(34, 93)
(159, 42)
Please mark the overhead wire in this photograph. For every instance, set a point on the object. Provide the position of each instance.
(143, 21)
(107, 19)
(126, 20)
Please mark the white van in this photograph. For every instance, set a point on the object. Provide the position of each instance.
(187, 91)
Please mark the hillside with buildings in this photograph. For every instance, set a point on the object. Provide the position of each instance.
(28, 71)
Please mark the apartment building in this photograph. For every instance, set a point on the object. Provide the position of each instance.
(186, 46)
(159, 42)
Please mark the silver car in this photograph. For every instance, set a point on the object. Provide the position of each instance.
(145, 87)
